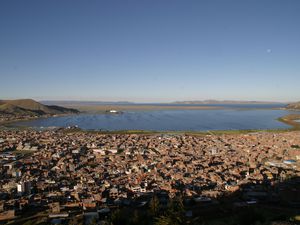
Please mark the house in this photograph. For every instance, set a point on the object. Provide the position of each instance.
(54, 207)
(113, 193)
(88, 203)
(24, 187)
(7, 215)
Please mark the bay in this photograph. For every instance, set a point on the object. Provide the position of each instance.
(170, 120)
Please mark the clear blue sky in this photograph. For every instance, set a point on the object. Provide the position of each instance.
(150, 51)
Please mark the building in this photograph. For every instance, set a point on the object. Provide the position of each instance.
(24, 187)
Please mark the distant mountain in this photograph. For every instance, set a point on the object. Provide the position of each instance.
(293, 106)
(83, 103)
(222, 102)
(31, 107)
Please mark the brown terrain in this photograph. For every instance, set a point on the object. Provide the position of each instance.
(30, 107)
(295, 106)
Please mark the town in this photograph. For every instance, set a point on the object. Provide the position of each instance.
(62, 173)
(150, 112)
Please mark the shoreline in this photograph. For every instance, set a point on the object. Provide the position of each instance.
(8, 123)
(195, 133)
(149, 107)
(104, 108)
(290, 120)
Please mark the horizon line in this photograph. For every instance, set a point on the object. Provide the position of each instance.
(147, 101)
(163, 102)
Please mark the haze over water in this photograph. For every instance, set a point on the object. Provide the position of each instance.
(233, 118)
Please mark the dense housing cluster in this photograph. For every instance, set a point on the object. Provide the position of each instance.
(65, 173)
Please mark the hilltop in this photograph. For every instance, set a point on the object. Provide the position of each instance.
(30, 107)
(293, 105)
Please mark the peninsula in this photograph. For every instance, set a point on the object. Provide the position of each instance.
(21, 109)
(295, 106)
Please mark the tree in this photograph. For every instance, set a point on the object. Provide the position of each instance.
(76, 220)
(29, 222)
(164, 220)
(93, 222)
(119, 217)
(176, 205)
(154, 206)
(174, 214)
(135, 218)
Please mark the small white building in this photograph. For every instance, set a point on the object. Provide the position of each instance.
(99, 151)
(24, 187)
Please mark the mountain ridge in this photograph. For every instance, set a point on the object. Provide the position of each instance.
(211, 101)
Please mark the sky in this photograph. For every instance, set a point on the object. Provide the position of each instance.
(150, 50)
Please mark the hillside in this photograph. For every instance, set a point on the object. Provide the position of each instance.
(31, 107)
(293, 106)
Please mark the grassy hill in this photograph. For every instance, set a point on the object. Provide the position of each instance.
(293, 106)
(31, 107)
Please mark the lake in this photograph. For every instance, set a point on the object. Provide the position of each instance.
(171, 120)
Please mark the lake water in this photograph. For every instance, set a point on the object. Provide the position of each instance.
(171, 120)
